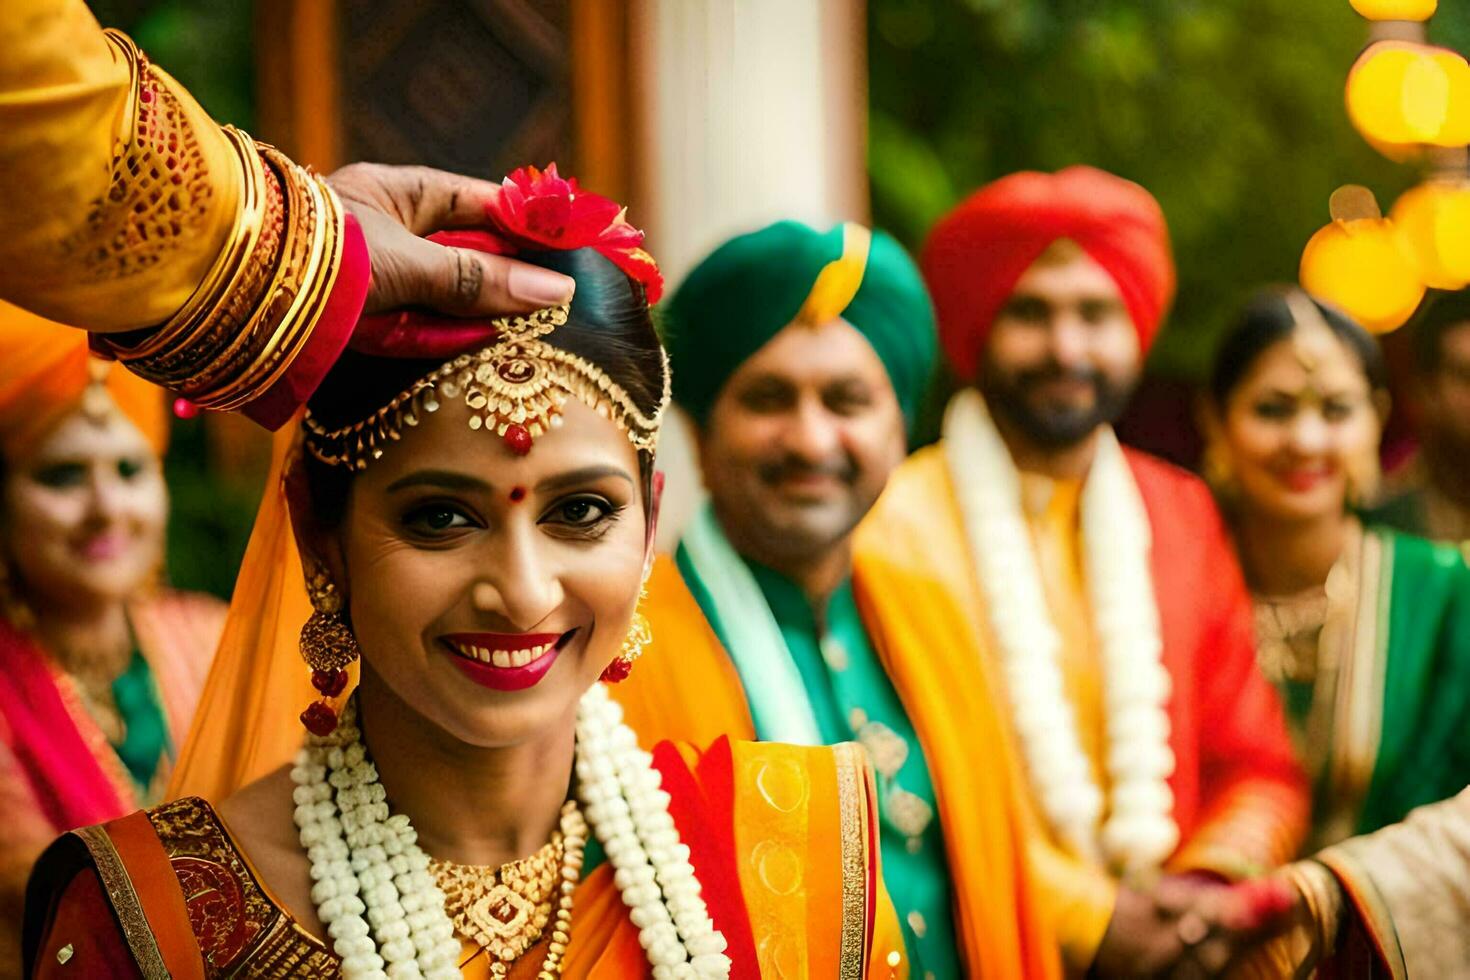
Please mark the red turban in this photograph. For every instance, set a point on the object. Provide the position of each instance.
(976, 253)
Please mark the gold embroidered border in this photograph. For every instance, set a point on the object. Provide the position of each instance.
(1362, 893)
(1360, 683)
(125, 902)
(851, 774)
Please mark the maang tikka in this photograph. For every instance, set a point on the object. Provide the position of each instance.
(328, 646)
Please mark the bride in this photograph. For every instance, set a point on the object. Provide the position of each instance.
(473, 534)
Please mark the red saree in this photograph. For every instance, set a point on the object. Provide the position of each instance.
(781, 838)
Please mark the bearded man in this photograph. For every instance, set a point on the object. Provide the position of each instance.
(1085, 590)
(802, 357)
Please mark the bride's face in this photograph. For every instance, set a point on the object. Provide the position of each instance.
(489, 590)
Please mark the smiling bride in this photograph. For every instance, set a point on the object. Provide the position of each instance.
(472, 533)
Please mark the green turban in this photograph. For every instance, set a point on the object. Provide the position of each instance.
(754, 286)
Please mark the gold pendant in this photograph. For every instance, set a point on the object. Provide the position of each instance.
(502, 910)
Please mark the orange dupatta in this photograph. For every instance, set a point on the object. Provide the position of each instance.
(927, 645)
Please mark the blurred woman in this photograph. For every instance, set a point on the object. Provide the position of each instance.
(100, 666)
(1365, 631)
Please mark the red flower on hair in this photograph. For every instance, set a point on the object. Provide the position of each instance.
(539, 209)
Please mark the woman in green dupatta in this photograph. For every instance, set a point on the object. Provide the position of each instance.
(1365, 631)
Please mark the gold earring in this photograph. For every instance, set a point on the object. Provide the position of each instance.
(328, 646)
(640, 634)
(1364, 477)
(1219, 469)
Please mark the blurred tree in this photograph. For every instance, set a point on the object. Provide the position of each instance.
(1229, 111)
(205, 44)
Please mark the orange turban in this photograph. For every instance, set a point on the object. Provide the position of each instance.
(976, 253)
(44, 371)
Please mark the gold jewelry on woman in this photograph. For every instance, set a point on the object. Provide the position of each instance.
(515, 389)
(1218, 468)
(506, 910)
(640, 634)
(328, 645)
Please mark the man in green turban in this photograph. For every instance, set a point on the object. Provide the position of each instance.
(802, 357)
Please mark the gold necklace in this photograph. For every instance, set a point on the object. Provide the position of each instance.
(505, 910)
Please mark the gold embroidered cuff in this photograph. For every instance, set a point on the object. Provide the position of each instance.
(253, 314)
(1324, 900)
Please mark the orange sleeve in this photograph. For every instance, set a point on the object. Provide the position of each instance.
(114, 201)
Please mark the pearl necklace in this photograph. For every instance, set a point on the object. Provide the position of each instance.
(1140, 831)
(385, 913)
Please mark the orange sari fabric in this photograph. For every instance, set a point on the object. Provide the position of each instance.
(686, 687)
(781, 837)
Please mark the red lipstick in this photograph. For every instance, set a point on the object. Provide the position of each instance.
(1303, 480)
(505, 661)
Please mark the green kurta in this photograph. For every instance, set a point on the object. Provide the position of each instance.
(145, 738)
(1388, 712)
(852, 699)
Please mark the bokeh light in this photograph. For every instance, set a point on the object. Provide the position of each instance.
(1434, 220)
(1396, 9)
(1401, 93)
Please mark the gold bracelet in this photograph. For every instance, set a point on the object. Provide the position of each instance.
(251, 332)
(184, 328)
(311, 256)
(219, 329)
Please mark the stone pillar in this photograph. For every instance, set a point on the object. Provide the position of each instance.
(751, 111)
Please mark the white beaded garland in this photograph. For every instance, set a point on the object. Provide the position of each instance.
(1140, 831)
(383, 909)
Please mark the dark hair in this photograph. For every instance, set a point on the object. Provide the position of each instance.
(609, 324)
(1442, 313)
(1268, 319)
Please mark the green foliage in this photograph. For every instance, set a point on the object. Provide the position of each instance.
(1229, 111)
(205, 44)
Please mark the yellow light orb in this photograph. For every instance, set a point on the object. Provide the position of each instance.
(1395, 9)
(1363, 266)
(1400, 93)
(1434, 221)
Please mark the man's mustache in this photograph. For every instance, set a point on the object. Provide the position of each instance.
(1036, 377)
(792, 467)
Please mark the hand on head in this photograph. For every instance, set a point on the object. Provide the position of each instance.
(1191, 926)
(396, 207)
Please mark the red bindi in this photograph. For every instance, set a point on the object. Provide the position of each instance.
(517, 494)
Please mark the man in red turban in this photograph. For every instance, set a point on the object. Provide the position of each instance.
(1095, 585)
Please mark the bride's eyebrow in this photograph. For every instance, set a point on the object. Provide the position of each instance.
(584, 475)
(441, 479)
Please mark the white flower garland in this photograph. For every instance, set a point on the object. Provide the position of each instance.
(383, 910)
(1140, 831)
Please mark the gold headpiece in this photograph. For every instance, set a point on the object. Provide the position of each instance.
(516, 389)
(98, 405)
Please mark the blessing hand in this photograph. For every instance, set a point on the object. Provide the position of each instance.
(396, 207)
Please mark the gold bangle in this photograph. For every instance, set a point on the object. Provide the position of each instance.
(219, 331)
(303, 280)
(252, 333)
(183, 328)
